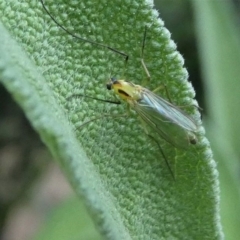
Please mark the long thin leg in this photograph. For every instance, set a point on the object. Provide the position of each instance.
(166, 91)
(145, 67)
(123, 115)
(164, 156)
(102, 116)
(98, 99)
(142, 55)
(169, 99)
(160, 148)
(81, 38)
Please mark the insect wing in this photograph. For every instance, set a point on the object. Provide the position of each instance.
(170, 122)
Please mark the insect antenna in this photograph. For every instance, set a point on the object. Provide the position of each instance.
(81, 38)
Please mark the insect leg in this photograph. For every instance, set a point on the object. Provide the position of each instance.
(164, 156)
(100, 117)
(98, 99)
(166, 91)
(160, 148)
(169, 98)
(142, 58)
(81, 38)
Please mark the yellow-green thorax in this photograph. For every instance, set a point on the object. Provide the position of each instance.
(127, 91)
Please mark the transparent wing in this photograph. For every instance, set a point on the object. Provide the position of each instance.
(170, 122)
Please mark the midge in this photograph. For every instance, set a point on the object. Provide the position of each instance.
(162, 117)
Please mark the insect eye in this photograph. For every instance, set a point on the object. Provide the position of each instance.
(109, 86)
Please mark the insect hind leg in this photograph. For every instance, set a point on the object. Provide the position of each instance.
(149, 76)
(164, 156)
(169, 98)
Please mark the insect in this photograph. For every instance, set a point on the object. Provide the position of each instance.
(157, 114)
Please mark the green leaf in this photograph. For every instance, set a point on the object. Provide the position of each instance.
(219, 39)
(118, 170)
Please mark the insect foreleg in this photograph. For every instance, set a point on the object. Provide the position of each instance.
(100, 117)
(98, 99)
(142, 58)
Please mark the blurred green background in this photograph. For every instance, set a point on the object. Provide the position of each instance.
(36, 201)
